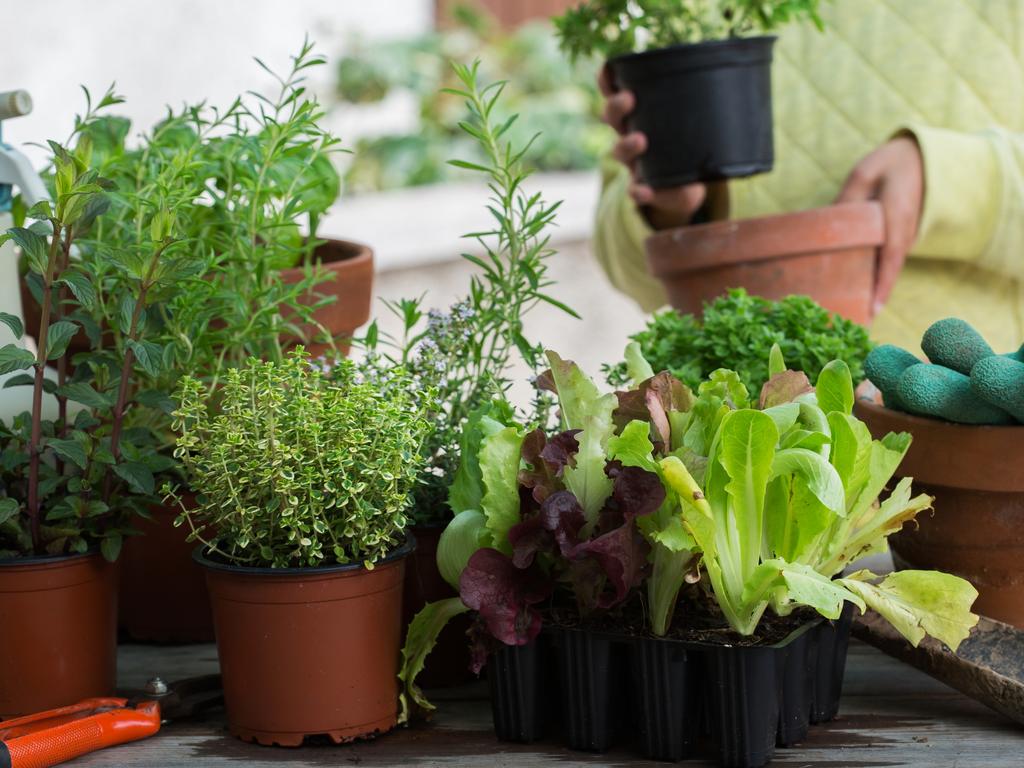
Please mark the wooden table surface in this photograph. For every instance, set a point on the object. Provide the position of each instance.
(892, 715)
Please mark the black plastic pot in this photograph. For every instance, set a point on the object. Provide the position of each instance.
(666, 698)
(593, 670)
(706, 109)
(571, 683)
(520, 691)
(831, 641)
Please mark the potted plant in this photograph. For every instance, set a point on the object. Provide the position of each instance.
(465, 353)
(75, 472)
(963, 410)
(579, 550)
(303, 479)
(701, 73)
(737, 331)
(251, 181)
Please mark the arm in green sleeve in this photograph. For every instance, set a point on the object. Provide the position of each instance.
(974, 198)
(619, 235)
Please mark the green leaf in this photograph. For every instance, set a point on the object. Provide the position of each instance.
(80, 286)
(83, 393)
(110, 546)
(920, 602)
(835, 388)
(58, 338)
(8, 509)
(467, 489)
(420, 640)
(465, 534)
(805, 586)
(137, 475)
(499, 467)
(14, 358)
(126, 313)
(14, 323)
(147, 355)
(583, 407)
(633, 447)
(821, 478)
(69, 450)
(776, 362)
(33, 245)
(639, 370)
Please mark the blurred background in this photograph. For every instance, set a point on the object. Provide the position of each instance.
(386, 63)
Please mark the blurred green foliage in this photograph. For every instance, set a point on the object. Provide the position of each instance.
(558, 102)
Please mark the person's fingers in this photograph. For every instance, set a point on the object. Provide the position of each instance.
(672, 207)
(629, 148)
(900, 232)
(862, 183)
(606, 81)
(617, 108)
(642, 194)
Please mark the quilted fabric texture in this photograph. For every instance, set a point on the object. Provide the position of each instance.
(949, 71)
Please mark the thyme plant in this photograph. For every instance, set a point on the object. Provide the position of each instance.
(294, 468)
(466, 352)
(615, 27)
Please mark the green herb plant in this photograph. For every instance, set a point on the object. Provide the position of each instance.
(615, 27)
(297, 468)
(73, 483)
(465, 354)
(242, 186)
(737, 331)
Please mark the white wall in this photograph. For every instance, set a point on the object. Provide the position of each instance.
(171, 51)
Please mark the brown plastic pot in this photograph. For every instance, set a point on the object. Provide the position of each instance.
(59, 639)
(351, 284)
(309, 651)
(976, 475)
(163, 595)
(826, 253)
(448, 664)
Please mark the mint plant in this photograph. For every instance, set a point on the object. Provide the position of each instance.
(615, 27)
(464, 354)
(295, 467)
(74, 483)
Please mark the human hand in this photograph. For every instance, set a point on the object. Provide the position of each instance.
(664, 208)
(894, 176)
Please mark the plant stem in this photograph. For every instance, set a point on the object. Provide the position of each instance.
(62, 363)
(34, 446)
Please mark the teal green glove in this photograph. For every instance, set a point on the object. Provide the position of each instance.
(955, 344)
(884, 366)
(934, 390)
(1000, 380)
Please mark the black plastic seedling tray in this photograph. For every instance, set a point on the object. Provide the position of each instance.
(667, 699)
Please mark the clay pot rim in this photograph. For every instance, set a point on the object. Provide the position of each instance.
(737, 43)
(950, 429)
(46, 560)
(361, 255)
(755, 240)
(400, 552)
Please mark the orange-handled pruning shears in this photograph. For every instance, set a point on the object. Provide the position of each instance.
(50, 738)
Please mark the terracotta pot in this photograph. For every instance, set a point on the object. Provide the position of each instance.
(309, 651)
(826, 253)
(163, 595)
(448, 663)
(976, 475)
(351, 265)
(59, 638)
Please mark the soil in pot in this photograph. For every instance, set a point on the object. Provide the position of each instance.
(350, 269)
(449, 663)
(976, 529)
(706, 109)
(306, 652)
(826, 253)
(163, 595)
(59, 643)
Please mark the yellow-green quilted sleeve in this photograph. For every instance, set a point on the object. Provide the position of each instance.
(974, 198)
(619, 235)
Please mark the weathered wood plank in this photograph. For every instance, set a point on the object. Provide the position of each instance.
(892, 715)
